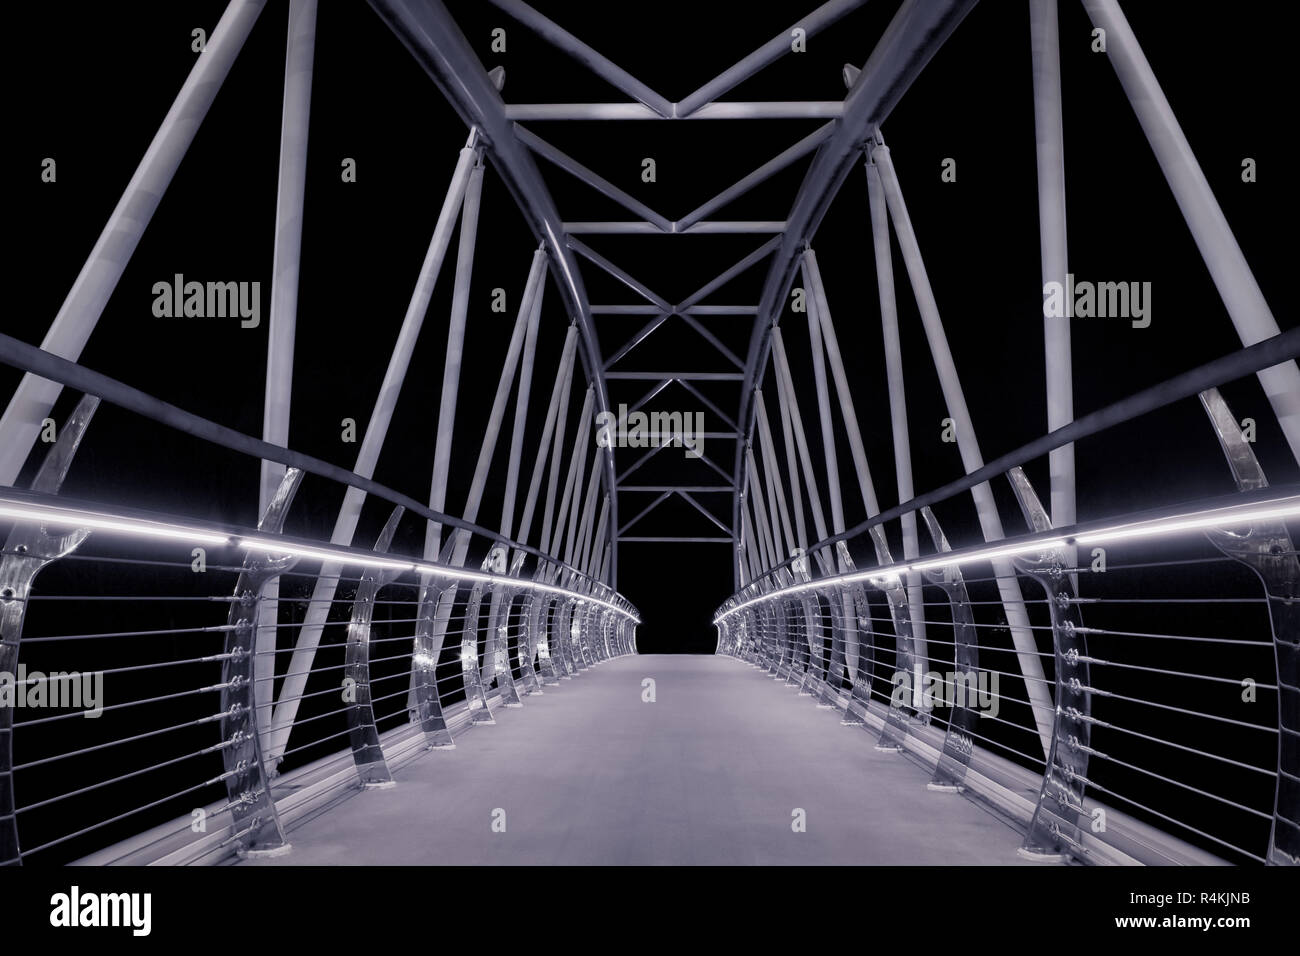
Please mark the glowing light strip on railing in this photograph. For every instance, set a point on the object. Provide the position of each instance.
(76, 518)
(1288, 507)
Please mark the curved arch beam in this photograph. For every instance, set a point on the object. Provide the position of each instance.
(430, 33)
(914, 35)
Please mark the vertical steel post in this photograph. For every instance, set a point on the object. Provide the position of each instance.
(786, 385)
(776, 492)
(455, 355)
(865, 485)
(571, 482)
(532, 304)
(897, 391)
(1050, 140)
(294, 121)
(563, 378)
(968, 446)
(815, 305)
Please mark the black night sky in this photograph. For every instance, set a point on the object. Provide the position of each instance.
(90, 91)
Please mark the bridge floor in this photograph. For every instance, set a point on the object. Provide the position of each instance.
(709, 773)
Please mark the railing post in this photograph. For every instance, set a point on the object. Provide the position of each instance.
(950, 772)
(1056, 823)
(254, 821)
(472, 677)
(367, 753)
(852, 599)
(27, 550)
(1267, 549)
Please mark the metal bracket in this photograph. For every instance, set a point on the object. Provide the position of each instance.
(894, 732)
(1267, 549)
(254, 820)
(28, 549)
(476, 701)
(496, 649)
(1056, 824)
(525, 648)
(855, 711)
(958, 741)
(367, 753)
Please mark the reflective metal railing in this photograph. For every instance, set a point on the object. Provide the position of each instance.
(1144, 709)
(158, 698)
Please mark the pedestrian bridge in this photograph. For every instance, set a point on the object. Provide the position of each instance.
(218, 647)
(716, 768)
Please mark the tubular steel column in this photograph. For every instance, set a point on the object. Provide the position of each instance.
(986, 507)
(474, 499)
(81, 310)
(1052, 240)
(532, 304)
(496, 656)
(464, 187)
(894, 376)
(786, 385)
(539, 605)
(563, 379)
(815, 305)
(865, 485)
(793, 424)
(283, 319)
(775, 490)
(455, 352)
(1227, 265)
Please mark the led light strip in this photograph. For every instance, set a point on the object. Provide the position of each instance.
(178, 532)
(1288, 507)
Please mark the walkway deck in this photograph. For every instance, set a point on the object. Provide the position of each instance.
(707, 774)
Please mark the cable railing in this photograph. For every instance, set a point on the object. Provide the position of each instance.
(180, 691)
(1136, 704)
(170, 683)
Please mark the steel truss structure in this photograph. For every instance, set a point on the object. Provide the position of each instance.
(829, 609)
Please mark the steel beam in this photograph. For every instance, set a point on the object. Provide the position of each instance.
(759, 175)
(733, 110)
(294, 120)
(697, 489)
(677, 376)
(768, 53)
(1050, 151)
(1232, 276)
(429, 32)
(592, 179)
(602, 66)
(90, 292)
(912, 38)
(708, 227)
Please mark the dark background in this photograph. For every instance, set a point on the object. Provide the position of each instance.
(89, 84)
